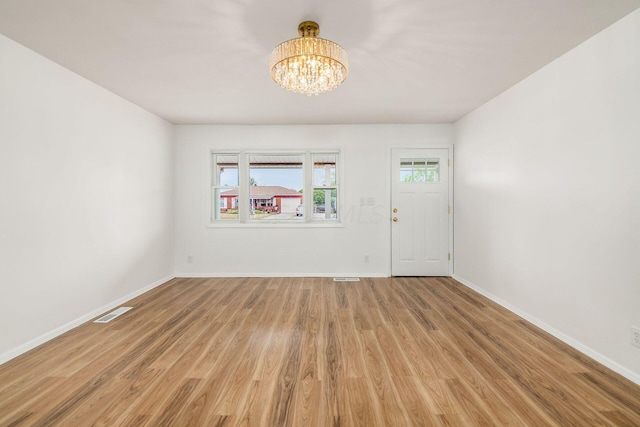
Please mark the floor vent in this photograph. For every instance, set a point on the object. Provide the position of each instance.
(115, 313)
(346, 279)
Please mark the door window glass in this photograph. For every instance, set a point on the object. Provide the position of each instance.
(419, 170)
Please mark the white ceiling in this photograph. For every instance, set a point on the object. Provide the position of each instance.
(411, 61)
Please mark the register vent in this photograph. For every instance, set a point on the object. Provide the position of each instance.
(346, 279)
(115, 313)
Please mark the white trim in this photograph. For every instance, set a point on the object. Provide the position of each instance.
(288, 274)
(452, 213)
(31, 344)
(330, 223)
(614, 366)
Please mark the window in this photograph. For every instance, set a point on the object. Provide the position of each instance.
(325, 190)
(419, 170)
(276, 183)
(252, 187)
(225, 187)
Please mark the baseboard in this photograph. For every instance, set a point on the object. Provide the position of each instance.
(614, 366)
(289, 274)
(17, 351)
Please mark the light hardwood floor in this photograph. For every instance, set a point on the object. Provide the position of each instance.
(310, 351)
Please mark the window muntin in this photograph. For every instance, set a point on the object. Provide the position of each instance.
(271, 187)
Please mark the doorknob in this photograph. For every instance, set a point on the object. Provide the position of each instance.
(395, 219)
(395, 210)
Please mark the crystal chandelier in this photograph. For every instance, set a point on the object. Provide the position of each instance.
(308, 64)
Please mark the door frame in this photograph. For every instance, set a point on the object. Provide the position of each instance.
(449, 148)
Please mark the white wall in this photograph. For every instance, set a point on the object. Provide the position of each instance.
(281, 251)
(85, 199)
(547, 196)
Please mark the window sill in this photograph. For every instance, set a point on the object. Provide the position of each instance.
(276, 224)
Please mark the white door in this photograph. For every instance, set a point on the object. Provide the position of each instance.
(420, 212)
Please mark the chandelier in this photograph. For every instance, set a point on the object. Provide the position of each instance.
(308, 64)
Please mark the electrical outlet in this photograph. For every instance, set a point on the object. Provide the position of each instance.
(366, 259)
(189, 259)
(635, 336)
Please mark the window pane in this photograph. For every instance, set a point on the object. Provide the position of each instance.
(325, 203)
(433, 170)
(324, 170)
(275, 186)
(406, 172)
(226, 170)
(420, 170)
(225, 203)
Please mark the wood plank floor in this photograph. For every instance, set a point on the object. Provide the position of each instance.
(310, 351)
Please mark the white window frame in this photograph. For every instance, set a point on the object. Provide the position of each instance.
(215, 185)
(243, 219)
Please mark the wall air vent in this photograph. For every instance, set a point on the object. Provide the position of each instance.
(346, 279)
(115, 313)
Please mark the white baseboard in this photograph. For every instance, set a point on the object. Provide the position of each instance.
(17, 351)
(614, 366)
(289, 274)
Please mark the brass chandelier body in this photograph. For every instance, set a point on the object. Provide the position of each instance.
(309, 64)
